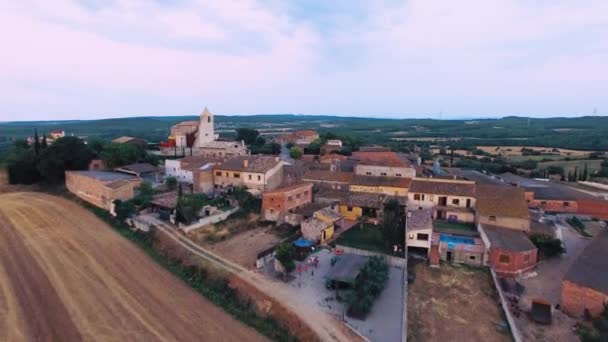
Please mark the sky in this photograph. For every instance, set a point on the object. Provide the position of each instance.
(88, 59)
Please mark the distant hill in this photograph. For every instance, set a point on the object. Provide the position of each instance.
(590, 132)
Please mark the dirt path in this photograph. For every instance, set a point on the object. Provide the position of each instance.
(66, 276)
(327, 327)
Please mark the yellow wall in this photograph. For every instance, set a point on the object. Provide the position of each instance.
(351, 215)
(329, 232)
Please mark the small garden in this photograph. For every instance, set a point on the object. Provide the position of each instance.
(364, 236)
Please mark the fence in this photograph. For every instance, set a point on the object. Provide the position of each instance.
(207, 220)
(393, 261)
(505, 307)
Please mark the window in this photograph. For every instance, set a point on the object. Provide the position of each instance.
(249, 177)
(566, 204)
(227, 174)
(472, 257)
(397, 175)
(237, 175)
(208, 119)
(492, 218)
(349, 208)
(417, 197)
(543, 203)
(504, 259)
(422, 237)
(382, 173)
(368, 173)
(218, 173)
(271, 211)
(526, 257)
(305, 193)
(259, 177)
(423, 197)
(455, 201)
(431, 197)
(298, 196)
(289, 198)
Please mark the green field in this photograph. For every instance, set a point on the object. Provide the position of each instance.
(593, 165)
(369, 238)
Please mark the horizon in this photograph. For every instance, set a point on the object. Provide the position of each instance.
(92, 59)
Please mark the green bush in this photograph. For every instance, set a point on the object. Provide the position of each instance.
(171, 182)
(285, 253)
(368, 286)
(547, 245)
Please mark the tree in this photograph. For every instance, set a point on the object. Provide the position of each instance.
(314, 147)
(189, 206)
(575, 175)
(171, 182)
(96, 144)
(247, 134)
(43, 143)
(115, 155)
(36, 143)
(295, 152)
(144, 194)
(67, 153)
(22, 165)
(585, 173)
(547, 245)
(393, 231)
(123, 209)
(368, 286)
(285, 253)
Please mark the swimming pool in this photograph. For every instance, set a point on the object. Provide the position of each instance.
(456, 239)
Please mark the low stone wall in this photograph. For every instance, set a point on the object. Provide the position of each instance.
(594, 185)
(505, 307)
(393, 261)
(207, 221)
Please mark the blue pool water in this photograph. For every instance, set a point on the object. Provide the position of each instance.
(456, 239)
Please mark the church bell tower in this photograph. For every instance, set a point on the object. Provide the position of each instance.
(206, 130)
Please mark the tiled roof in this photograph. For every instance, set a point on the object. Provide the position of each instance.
(380, 159)
(260, 164)
(589, 269)
(497, 200)
(442, 187)
(104, 176)
(331, 157)
(222, 144)
(508, 239)
(332, 215)
(397, 182)
(302, 186)
(420, 219)
(197, 162)
(329, 176)
(364, 200)
(139, 168)
(306, 133)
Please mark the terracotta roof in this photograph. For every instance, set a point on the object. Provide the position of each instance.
(289, 188)
(260, 164)
(138, 168)
(442, 187)
(364, 200)
(329, 176)
(332, 215)
(196, 162)
(305, 133)
(396, 182)
(420, 219)
(221, 144)
(331, 157)
(589, 269)
(187, 123)
(380, 159)
(508, 239)
(506, 201)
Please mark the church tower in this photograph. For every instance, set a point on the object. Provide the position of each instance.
(206, 130)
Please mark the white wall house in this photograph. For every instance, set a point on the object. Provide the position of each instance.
(173, 168)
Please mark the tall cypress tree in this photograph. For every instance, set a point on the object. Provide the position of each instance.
(585, 174)
(43, 143)
(575, 176)
(36, 143)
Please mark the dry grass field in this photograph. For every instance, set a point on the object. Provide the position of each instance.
(66, 276)
(244, 247)
(511, 151)
(453, 304)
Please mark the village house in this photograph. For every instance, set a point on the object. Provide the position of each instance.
(419, 230)
(145, 171)
(300, 138)
(509, 251)
(56, 134)
(502, 205)
(335, 180)
(101, 188)
(585, 286)
(451, 200)
(321, 227)
(278, 202)
(332, 145)
(258, 173)
(382, 164)
(300, 214)
(196, 171)
(390, 186)
(131, 140)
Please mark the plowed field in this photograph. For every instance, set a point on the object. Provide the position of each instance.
(66, 276)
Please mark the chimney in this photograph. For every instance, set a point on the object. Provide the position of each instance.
(245, 162)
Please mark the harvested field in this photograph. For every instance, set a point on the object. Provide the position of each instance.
(516, 150)
(453, 303)
(65, 276)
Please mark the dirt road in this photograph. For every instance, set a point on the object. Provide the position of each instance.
(66, 276)
(325, 326)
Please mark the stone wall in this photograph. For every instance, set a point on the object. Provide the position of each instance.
(392, 260)
(207, 220)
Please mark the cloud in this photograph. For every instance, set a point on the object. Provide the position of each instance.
(94, 58)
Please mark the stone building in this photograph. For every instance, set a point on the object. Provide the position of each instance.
(419, 230)
(277, 203)
(257, 173)
(382, 164)
(194, 170)
(509, 251)
(451, 199)
(101, 188)
(502, 205)
(391, 186)
(585, 286)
